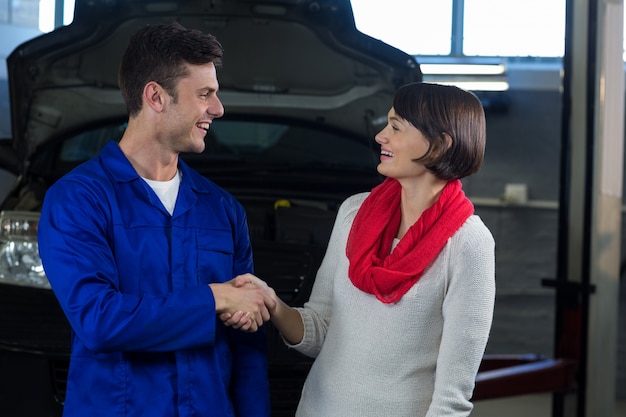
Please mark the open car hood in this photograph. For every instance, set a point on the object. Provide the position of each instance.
(294, 58)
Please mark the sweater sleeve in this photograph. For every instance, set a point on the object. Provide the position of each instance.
(317, 311)
(467, 313)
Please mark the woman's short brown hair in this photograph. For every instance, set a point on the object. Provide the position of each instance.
(441, 112)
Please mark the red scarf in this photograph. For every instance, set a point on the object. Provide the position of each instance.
(389, 276)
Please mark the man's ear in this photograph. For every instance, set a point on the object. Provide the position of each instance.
(154, 96)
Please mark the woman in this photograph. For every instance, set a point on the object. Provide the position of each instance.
(402, 305)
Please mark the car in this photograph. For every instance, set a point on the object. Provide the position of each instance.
(305, 93)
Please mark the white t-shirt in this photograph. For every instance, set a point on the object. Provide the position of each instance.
(167, 191)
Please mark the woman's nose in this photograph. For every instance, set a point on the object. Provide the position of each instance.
(380, 137)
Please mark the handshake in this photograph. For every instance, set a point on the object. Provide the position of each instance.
(245, 302)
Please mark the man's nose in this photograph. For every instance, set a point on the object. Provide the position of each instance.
(216, 108)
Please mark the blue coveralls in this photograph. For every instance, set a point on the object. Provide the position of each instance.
(133, 283)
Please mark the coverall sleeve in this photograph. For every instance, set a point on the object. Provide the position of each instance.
(75, 247)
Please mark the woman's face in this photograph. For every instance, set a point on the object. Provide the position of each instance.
(401, 143)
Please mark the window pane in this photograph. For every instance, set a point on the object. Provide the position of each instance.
(24, 13)
(68, 12)
(418, 27)
(4, 11)
(514, 28)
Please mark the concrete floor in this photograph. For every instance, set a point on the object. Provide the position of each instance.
(538, 405)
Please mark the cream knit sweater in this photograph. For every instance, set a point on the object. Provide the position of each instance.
(417, 357)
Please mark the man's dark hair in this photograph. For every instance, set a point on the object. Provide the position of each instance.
(160, 53)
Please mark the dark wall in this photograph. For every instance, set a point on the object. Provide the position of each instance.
(523, 146)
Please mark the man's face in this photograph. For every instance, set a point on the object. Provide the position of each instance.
(189, 117)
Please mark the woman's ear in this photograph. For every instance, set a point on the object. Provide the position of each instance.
(441, 147)
(447, 142)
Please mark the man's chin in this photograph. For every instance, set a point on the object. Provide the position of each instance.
(195, 147)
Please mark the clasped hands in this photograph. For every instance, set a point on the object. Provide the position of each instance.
(251, 303)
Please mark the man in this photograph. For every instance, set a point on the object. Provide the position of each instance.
(140, 251)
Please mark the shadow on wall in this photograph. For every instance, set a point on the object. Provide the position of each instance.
(5, 113)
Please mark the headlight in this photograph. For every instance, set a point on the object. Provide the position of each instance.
(19, 252)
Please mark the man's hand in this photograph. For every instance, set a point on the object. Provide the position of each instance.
(241, 319)
(242, 303)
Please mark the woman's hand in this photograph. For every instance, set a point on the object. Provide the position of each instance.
(245, 320)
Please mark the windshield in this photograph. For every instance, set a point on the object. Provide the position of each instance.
(244, 145)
